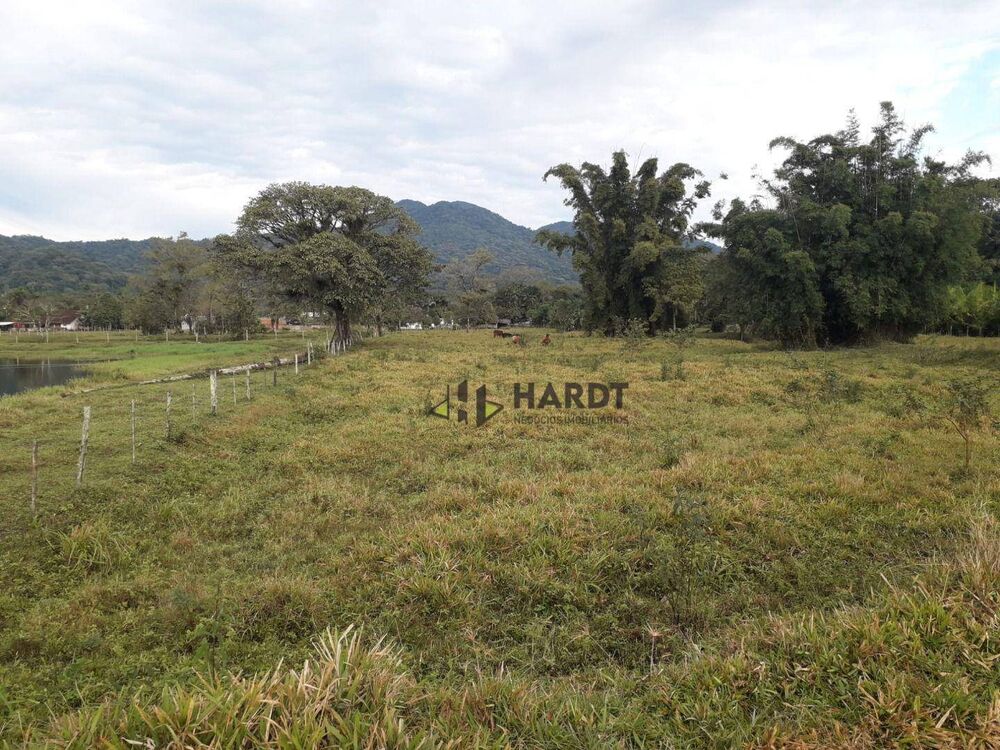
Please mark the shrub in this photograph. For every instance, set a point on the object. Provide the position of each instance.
(347, 695)
(966, 409)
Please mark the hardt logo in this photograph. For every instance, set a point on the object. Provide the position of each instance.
(527, 396)
(485, 409)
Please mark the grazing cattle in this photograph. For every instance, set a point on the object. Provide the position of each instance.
(547, 340)
(498, 333)
(517, 338)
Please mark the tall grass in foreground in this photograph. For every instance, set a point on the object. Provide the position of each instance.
(918, 669)
(778, 550)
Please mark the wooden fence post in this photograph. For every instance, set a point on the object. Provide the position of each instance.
(133, 432)
(248, 382)
(34, 477)
(296, 364)
(234, 389)
(169, 400)
(85, 437)
(213, 388)
(274, 376)
(194, 402)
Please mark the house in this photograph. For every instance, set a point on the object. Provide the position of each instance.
(189, 325)
(67, 320)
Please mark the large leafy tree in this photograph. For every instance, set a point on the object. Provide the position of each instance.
(989, 247)
(629, 241)
(471, 290)
(169, 290)
(342, 250)
(105, 311)
(868, 236)
(517, 300)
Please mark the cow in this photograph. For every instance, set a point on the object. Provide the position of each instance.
(547, 340)
(498, 333)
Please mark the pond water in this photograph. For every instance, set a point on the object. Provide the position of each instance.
(18, 375)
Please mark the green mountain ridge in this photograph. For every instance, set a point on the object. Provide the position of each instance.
(46, 266)
(451, 229)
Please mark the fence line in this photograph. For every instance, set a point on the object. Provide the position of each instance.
(274, 364)
(134, 414)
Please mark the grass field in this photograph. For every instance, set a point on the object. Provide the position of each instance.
(777, 550)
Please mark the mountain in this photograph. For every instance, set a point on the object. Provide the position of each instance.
(46, 266)
(453, 229)
(566, 227)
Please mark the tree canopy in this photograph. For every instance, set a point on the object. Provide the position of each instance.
(854, 240)
(344, 251)
(628, 246)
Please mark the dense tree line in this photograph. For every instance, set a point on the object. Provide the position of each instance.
(972, 310)
(854, 240)
(519, 296)
(187, 286)
(851, 240)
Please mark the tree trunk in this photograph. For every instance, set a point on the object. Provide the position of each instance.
(341, 328)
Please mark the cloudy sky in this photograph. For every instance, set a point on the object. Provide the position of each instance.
(131, 119)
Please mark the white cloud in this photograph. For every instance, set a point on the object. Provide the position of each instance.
(148, 117)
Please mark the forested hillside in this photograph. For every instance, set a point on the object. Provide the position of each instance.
(45, 266)
(453, 229)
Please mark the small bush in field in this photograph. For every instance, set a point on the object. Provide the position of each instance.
(672, 370)
(634, 333)
(680, 569)
(966, 409)
(836, 387)
(682, 338)
(904, 402)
